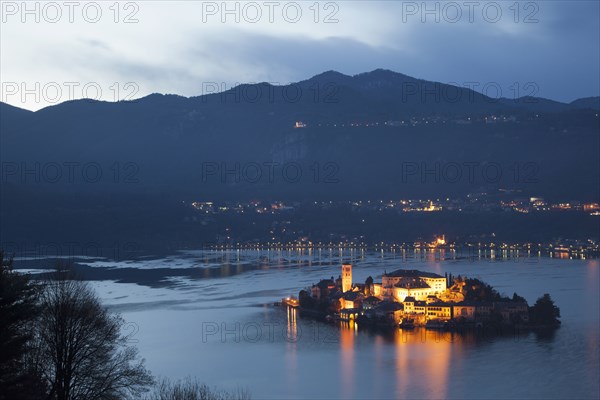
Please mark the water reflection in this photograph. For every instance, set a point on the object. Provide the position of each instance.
(310, 359)
(291, 353)
(219, 264)
(292, 325)
(422, 362)
(425, 354)
(347, 361)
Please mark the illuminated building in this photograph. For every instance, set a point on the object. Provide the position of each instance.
(346, 277)
(351, 300)
(323, 288)
(439, 241)
(371, 302)
(432, 207)
(417, 295)
(464, 310)
(439, 310)
(404, 283)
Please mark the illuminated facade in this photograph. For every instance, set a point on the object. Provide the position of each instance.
(439, 310)
(420, 296)
(464, 310)
(346, 277)
(411, 283)
(377, 290)
(351, 300)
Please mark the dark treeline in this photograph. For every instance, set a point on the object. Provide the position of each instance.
(156, 223)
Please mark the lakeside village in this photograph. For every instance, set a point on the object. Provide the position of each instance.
(410, 298)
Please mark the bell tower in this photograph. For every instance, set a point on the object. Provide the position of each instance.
(346, 277)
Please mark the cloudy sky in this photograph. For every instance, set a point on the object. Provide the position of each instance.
(53, 52)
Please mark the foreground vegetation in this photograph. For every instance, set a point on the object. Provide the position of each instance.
(57, 342)
(192, 389)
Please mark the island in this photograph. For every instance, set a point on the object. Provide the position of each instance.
(407, 298)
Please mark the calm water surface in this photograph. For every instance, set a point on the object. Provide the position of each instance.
(216, 322)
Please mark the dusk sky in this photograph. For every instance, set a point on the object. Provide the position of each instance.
(175, 47)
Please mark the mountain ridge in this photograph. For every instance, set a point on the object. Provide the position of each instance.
(366, 81)
(366, 126)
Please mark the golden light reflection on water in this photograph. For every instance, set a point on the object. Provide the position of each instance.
(431, 364)
(292, 337)
(348, 333)
(422, 353)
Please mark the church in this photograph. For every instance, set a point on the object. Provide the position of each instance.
(400, 284)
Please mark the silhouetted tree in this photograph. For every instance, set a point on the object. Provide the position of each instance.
(18, 309)
(477, 290)
(305, 299)
(192, 389)
(518, 298)
(80, 349)
(324, 292)
(369, 286)
(544, 312)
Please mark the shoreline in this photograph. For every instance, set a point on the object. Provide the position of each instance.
(451, 326)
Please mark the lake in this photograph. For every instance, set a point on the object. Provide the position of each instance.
(210, 314)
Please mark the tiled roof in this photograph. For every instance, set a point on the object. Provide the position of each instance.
(372, 299)
(411, 273)
(412, 284)
(439, 304)
(352, 296)
(386, 306)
